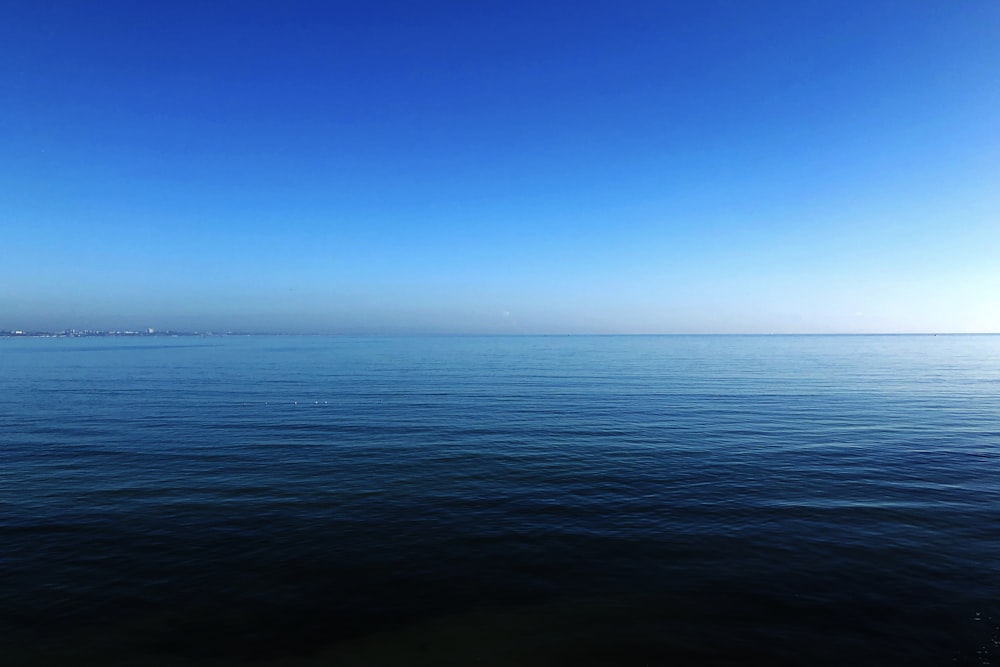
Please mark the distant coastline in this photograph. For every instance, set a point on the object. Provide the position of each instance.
(154, 333)
(124, 333)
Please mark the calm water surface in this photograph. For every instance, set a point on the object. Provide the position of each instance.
(706, 500)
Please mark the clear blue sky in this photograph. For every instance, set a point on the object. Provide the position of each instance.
(507, 167)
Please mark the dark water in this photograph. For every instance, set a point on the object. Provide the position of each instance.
(500, 501)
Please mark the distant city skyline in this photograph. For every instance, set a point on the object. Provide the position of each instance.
(478, 168)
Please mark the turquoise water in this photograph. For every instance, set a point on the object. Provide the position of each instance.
(512, 500)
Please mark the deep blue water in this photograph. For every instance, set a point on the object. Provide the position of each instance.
(816, 500)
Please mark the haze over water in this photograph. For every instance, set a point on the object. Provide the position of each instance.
(821, 500)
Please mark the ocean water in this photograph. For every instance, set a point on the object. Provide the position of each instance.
(661, 500)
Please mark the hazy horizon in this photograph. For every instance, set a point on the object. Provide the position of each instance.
(524, 168)
(128, 332)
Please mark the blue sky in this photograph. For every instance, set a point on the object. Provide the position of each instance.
(501, 167)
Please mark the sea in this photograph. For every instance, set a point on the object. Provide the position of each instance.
(518, 500)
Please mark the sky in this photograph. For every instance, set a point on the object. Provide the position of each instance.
(374, 167)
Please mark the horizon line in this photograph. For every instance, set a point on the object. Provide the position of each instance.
(131, 333)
